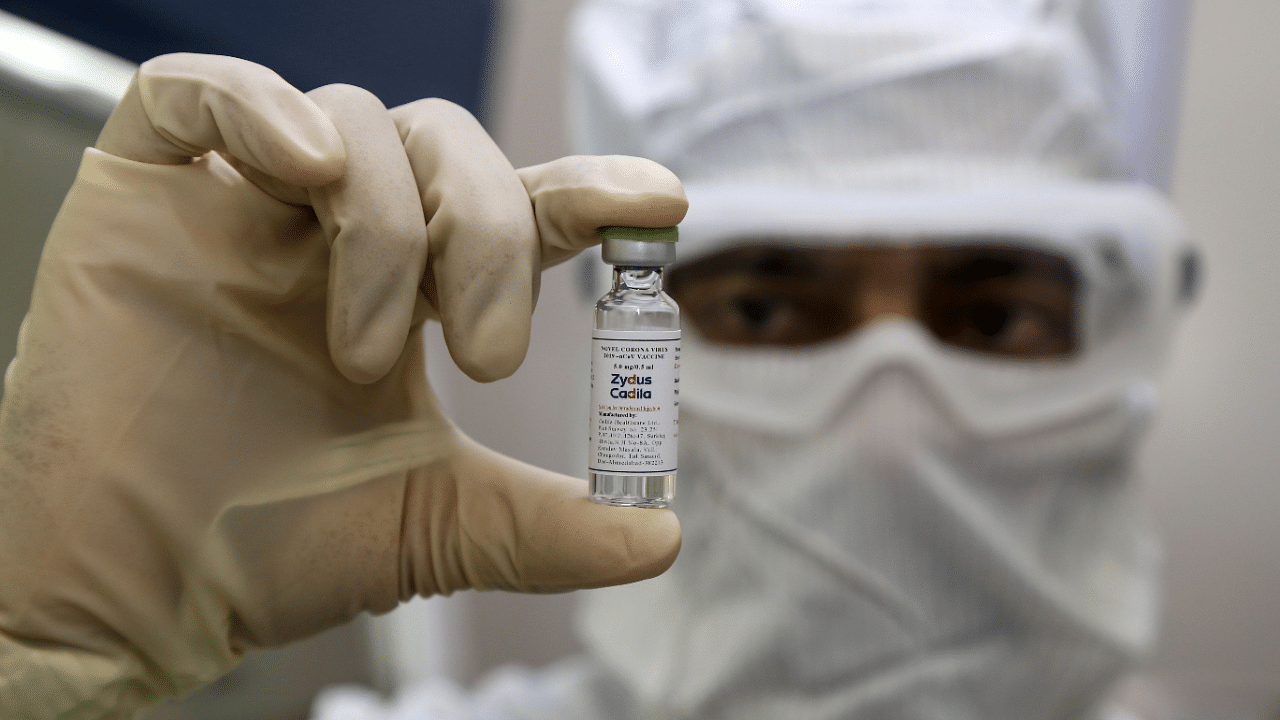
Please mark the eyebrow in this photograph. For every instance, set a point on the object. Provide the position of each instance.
(783, 263)
(979, 265)
(758, 260)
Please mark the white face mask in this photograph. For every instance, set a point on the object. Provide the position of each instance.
(893, 563)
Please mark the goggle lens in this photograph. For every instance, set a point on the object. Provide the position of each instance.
(995, 298)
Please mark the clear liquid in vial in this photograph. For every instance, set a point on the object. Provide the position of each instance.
(635, 392)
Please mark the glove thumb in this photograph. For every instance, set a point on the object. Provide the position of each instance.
(489, 522)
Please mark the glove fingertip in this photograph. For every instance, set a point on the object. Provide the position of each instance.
(652, 539)
(491, 347)
(490, 364)
(300, 144)
(649, 174)
(360, 368)
(607, 546)
(365, 358)
(318, 156)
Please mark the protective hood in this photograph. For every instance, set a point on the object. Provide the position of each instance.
(853, 93)
(881, 526)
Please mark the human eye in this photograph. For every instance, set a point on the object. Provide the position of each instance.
(1011, 326)
(1010, 302)
(764, 296)
(754, 317)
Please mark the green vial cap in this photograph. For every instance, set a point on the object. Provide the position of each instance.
(619, 232)
(638, 247)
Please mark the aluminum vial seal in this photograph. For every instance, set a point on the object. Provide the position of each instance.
(638, 247)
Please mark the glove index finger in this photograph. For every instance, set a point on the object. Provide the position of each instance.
(184, 105)
(573, 197)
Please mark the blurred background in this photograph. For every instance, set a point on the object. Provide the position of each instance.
(1210, 466)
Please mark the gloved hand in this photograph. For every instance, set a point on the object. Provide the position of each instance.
(217, 433)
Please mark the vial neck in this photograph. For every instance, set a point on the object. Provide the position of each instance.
(645, 279)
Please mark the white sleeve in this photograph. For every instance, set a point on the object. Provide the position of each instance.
(438, 699)
(1115, 712)
(574, 689)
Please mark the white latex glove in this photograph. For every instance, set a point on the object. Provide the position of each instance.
(217, 433)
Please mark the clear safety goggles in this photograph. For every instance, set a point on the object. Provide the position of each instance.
(1017, 305)
(1002, 299)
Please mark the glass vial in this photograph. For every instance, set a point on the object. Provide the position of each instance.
(635, 374)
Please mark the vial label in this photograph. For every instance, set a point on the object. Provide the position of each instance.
(635, 401)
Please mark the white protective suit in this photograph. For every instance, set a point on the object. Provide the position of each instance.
(880, 526)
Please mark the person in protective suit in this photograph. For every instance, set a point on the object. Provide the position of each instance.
(924, 306)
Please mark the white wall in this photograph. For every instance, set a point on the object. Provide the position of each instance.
(1213, 463)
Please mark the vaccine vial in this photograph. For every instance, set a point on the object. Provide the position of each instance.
(635, 374)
